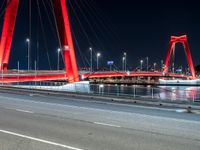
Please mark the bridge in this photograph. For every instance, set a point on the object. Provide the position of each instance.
(70, 73)
(133, 74)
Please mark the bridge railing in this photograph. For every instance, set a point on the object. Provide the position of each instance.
(161, 93)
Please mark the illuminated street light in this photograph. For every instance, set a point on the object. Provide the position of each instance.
(141, 62)
(123, 63)
(91, 58)
(147, 63)
(125, 54)
(28, 42)
(58, 58)
(161, 65)
(98, 55)
(154, 65)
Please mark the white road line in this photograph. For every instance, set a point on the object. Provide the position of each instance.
(40, 140)
(105, 124)
(21, 110)
(181, 110)
(25, 111)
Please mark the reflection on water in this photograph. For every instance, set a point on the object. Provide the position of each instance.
(175, 93)
(179, 93)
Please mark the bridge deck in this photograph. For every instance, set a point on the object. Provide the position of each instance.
(132, 74)
(48, 75)
(25, 76)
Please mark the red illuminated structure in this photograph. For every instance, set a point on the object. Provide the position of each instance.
(183, 40)
(64, 34)
(66, 44)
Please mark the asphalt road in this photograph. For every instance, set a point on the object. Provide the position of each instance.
(36, 122)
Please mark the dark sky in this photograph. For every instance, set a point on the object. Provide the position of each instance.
(140, 28)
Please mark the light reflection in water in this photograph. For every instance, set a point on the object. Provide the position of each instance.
(179, 93)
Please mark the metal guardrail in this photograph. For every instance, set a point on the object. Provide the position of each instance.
(172, 94)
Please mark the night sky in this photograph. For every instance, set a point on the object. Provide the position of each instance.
(140, 28)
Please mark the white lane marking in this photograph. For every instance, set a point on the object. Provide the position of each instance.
(39, 140)
(106, 124)
(181, 110)
(25, 111)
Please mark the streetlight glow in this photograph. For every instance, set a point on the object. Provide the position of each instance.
(98, 54)
(28, 40)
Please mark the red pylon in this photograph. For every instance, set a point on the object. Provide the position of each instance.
(183, 40)
(65, 35)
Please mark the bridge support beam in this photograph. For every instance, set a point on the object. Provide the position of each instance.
(180, 39)
(7, 32)
(66, 40)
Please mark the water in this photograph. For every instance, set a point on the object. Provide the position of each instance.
(174, 93)
(180, 92)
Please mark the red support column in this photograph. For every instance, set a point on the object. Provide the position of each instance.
(7, 32)
(66, 40)
(184, 41)
(166, 67)
(189, 59)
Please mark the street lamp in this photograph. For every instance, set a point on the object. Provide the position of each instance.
(141, 62)
(123, 62)
(154, 65)
(162, 65)
(125, 54)
(90, 59)
(147, 63)
(28, 41)
(98, 55)
(173, 67)
(58, 58)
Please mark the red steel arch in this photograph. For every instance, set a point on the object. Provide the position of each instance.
(64, 28)
(7, 32)
(180, 39)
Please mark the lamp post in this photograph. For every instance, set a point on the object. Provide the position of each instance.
(125, 54)
(98, 55)
(90, 59)
(141, 62)
(28, 42)
(123, 63)
(18, 72)
(147, 63)
(58, 58)
(35, 66)
(173, 68)
(154, 65)
(161, 65)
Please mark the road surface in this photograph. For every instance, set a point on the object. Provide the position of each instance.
(36, 122)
